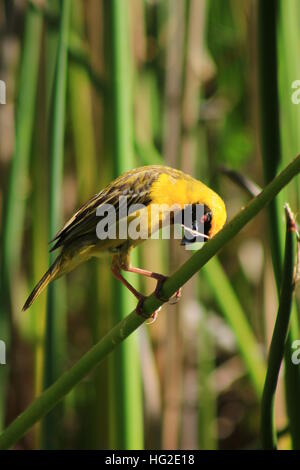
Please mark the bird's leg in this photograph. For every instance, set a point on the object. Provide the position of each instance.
(160, 281)
(122, 262)
(117, 273)
(145, 272)
(172, 300)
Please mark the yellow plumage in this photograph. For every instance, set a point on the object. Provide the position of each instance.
(151, 186)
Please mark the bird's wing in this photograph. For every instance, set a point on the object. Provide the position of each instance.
(132, 188)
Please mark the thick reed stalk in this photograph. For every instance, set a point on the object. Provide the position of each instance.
(268, 430)
(125, 380)
(271, 156)
(13, 218)
(289, 69)
(55, 317)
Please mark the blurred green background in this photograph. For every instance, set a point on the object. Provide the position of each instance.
(97, 87)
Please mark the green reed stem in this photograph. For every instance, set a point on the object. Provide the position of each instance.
(55, 317)
(125, 379)
(268, 430)
(272, 159)
(14, 210)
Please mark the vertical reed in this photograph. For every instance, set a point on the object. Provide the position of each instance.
(272, 159)
(126, 394)
(55, 340)
(13, 217)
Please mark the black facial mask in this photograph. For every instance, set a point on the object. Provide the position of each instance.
(203, 225)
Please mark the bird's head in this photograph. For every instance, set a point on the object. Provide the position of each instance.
(189, 193)
(208, 213)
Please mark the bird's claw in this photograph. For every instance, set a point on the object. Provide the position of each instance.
(154, 316)
(176, 297)
(139, 311)
(173, 300)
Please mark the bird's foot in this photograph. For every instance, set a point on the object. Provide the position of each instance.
(139, 307)
(175, 297)
(172, 300)
(139, 311)
(154, 316)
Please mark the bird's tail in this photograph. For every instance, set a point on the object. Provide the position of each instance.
(52, 273)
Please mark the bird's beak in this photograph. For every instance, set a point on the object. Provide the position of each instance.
(198, 237)
(185, 241)
(189, 241)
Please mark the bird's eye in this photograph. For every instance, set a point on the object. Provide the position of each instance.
(207, 222)
(207, 217)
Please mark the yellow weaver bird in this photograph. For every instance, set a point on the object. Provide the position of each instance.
(152, 186)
